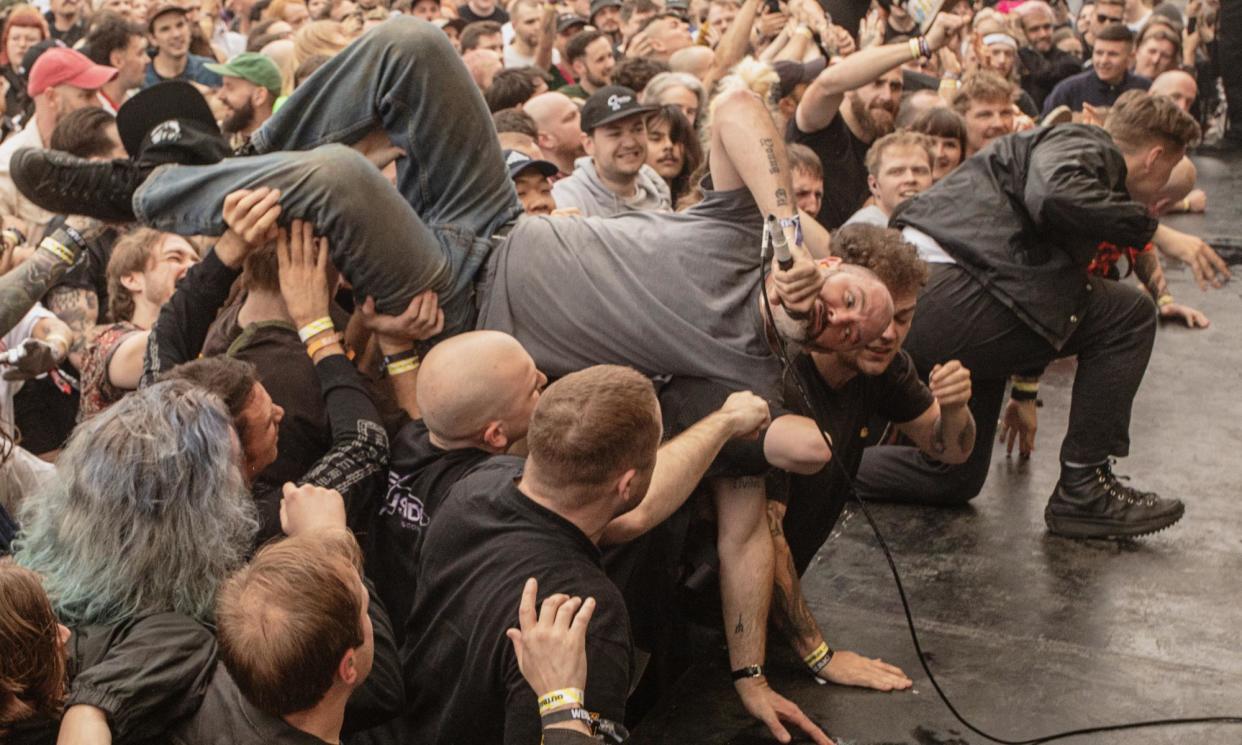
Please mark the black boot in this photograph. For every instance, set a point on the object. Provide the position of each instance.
(67, 185)
(1091, 503)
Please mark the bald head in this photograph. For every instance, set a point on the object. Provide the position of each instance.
(695, 60)
(547, 106)
(475, 382)
(483, 65)
(1177, 85)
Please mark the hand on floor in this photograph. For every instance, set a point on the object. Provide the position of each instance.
(852, 669)
(772, 708)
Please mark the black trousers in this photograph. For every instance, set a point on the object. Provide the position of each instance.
(957, 319)
(1229, 48)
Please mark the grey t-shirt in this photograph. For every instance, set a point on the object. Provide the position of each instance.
(665, 293)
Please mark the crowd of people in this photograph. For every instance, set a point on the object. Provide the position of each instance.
(437, 373)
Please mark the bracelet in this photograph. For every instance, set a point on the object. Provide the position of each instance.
(401, 367)
(315, 328)
(1163, 300)
(405, 354)
(819, 659)
(318, 345)
(915, 50)
(576, 714)
(560, 697)
(1019, 395)
(924, 47)
(750, 671)
(59, 250)
(794, 222)
(12, 237)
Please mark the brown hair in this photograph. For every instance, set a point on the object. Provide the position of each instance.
(803, 158)
(884, 252)
(981, 85)
(1139, 120)
(231, 379)
(1164, 33)
(1115, 32)
(940, 121)
(896, 139)
(592, 425)
(32, 660)
(261, 270)
(133, 252)
(471, 34)
(20, 15)
(285, 620)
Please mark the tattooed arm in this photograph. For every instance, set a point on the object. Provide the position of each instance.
(79, 309)
(22, 287)
(1151, 274)
(746, 565)
(946, 430)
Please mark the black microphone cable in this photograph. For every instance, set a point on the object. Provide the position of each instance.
(792, 371)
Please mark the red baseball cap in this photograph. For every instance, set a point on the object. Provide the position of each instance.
(64, 66)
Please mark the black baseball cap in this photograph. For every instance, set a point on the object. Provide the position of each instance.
(517, 162)
(598, 5)
(609, 104)
(171, 112)
(566, 21)
(792, 74)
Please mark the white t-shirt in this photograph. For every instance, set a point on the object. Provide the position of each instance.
(20, 333)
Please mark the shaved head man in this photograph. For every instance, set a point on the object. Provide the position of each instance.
(560, 132)
(1177, 85)
(477, 390)
(476, 394)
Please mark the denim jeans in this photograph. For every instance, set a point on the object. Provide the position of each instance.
(453, 190)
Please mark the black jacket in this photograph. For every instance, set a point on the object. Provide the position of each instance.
(1042, 72)
(1025, 215)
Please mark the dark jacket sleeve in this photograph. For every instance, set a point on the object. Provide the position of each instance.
(1075, 187)
(356, 464)
(382, 696)
(181, 328)
(147, 675)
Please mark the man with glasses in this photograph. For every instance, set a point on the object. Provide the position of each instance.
(1042, 64)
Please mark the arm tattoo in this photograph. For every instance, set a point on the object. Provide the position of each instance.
(938, 445)
(966, 439)
(782, 197)
(748, 482)
(769, 149)
(21, 288)
(79, 309)
(739, 628)
(790, 614)
(1147, 267)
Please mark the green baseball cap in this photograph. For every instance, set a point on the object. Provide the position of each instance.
(254, 67)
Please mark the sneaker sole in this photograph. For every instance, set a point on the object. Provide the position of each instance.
(1080, 527)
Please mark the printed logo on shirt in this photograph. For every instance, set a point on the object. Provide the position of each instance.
(402, 503)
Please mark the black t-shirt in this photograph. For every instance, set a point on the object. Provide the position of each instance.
(848, 415)
(845, 176)
(461, 675)
(419, 479)
(499, 15)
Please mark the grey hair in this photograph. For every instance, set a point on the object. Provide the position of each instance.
(147, 511)
(666, 80)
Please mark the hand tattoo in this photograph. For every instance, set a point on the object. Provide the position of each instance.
(966, 439)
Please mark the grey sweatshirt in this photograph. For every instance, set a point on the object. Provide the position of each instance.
(584, 189)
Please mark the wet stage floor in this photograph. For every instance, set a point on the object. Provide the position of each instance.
(1031, 634)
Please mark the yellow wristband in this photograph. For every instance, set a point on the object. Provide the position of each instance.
(1163, 300)
(57, 250)
(818, 654)
(1026, 387)
(915, 52)
(1186, 204)
(560, 697)
(314, 328)
(319, 344)
(402, 366)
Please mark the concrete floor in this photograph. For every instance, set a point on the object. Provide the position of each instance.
(1031, 634)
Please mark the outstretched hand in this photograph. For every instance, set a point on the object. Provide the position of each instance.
(852, 669)
(30, 360)
(1018, 424)
(551, 646)
(772, 709)
(1209, 268)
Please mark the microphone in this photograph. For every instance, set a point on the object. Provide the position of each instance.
(780, 246)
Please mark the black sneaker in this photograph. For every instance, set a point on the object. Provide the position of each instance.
(67, 185)
(1092, 503)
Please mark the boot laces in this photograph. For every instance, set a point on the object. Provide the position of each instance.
(1117, 490)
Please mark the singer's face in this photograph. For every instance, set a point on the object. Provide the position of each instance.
(854, 309)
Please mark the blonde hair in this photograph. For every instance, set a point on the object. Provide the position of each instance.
(318, 37)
